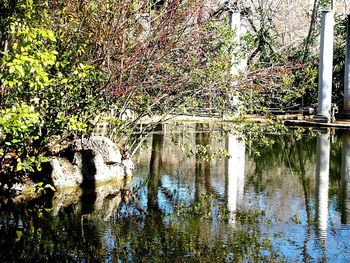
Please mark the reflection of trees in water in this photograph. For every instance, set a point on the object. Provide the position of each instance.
(329, 178)
(306, 185)
(202, 179)
(335, 162)
(340, 173)
(76, 233)
(298, 156)
(345, 180)
(154, 179)
(35, 236)
(59, 228)
(287, 152)
(338, 170)
(202, 171)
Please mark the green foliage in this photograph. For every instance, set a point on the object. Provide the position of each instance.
(41, 187)
(17, 123)
(62, 91)
(71, 61)
(34, 71)
(19, 126)
(68, 63)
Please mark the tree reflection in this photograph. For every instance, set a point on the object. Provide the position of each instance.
(154, 180)
(306, 185)
(345, 179)
(193, 229)
(202, 169)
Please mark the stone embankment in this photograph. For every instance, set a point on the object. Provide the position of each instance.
(84, 163)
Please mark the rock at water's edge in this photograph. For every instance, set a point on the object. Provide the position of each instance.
(93, 160)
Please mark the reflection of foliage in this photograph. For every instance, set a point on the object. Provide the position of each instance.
(205, 153)
(258, 133)
(186, 233)
(186, 236)
(292, 150)
(34, 234)
(208, 146)
(335, 158)
(335, 166)
(284, 150)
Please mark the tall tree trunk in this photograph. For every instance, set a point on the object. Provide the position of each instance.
(311, 30)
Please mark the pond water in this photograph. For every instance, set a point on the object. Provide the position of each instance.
(285, 201)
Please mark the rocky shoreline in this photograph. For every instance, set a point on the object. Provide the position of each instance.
(84, 163)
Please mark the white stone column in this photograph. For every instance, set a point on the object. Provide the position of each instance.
(345, 179)
(346, 111)
(235, 175)
(322, 181)
(238, 63)
(325, 67)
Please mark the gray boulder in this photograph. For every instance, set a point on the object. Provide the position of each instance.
(91, 160)
(102, 145)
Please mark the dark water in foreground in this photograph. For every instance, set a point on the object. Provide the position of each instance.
(288, 201)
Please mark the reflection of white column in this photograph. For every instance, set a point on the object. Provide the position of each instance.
(345, 179)
(322, 179)
(235, 174)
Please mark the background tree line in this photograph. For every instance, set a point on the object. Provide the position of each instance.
(65, 62)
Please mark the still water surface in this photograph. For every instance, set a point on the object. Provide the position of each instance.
(288, 201)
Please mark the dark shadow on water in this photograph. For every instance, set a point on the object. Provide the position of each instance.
(154, 179)
(19, 225)
(202, 169)
(88, 185)
(44, 176)
(345, 180)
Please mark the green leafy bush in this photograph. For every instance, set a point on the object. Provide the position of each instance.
(19, 127)
(46, 92)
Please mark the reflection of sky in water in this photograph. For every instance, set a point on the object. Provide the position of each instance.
(291, 235)
(218, 187)
(280, 194)
(278, 191)
(142, 190)
(178, 191)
